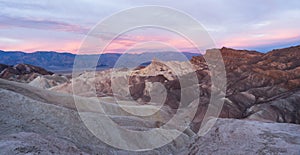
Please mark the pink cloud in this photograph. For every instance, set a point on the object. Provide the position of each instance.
(32, 46)
(267, 38)
(173, 41)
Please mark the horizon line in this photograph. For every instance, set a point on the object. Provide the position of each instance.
(198, 52)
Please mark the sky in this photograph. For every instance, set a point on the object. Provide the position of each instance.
(61, 26)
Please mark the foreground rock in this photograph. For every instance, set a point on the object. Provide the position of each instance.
(30, 109)
(35, 121)
(231, 136)
(32, 143)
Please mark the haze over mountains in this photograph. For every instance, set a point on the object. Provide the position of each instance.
(55, 61)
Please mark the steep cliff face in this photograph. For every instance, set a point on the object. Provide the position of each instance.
(261, 86)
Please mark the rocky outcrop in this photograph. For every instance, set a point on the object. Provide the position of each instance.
(87, 83)
(2, 67)
(259, 86)
(48, 81)
(22, 72)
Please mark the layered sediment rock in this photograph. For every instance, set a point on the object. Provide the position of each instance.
(255, 82)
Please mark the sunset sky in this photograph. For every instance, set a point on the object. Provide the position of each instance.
(61, 25)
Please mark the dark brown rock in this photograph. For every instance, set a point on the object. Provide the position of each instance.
(22, 72)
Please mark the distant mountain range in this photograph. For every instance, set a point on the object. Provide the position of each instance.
(55, 61)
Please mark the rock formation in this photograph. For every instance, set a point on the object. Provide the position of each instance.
(259, 86)
(48, 81)
(22, 72)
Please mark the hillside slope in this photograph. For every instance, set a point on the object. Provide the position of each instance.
(42, 125)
